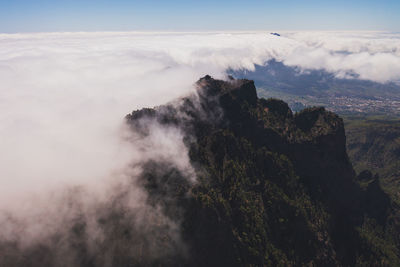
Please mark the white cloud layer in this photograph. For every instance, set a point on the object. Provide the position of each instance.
(63, 96)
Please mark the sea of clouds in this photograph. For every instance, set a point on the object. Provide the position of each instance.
(63, 96)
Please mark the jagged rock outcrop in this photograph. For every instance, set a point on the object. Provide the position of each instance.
(273, 187)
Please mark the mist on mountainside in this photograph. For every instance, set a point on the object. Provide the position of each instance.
(201, 173)
(251, 183)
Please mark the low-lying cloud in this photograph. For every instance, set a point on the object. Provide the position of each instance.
(370, 55)
(63, 97)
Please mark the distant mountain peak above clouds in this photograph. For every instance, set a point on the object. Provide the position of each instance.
(275, 33)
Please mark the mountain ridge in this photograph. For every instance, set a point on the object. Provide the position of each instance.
(278, 186)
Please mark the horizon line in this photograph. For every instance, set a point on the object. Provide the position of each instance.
(186, 31)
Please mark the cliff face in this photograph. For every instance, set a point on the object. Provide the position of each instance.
(375, 144)
(273, 187)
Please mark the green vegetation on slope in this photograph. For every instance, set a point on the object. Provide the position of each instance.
(275, 188)
(374, 143)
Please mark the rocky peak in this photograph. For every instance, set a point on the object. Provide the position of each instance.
(273, 188)
(241, 90)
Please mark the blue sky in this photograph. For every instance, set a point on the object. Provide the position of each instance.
(179, 15)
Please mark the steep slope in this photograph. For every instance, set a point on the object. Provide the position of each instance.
(273, 188)
(374, 144)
